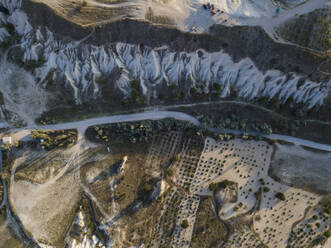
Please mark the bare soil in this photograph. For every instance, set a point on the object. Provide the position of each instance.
(46, 212)
(302, 168)
(7, 240)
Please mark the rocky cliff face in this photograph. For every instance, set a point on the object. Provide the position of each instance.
(107, 59)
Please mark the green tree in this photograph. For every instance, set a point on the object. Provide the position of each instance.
(280, 196)
(193, 92)
(217, 87)
(170, 172)
(184, 224)
(212, 187)
(224, 183)
(266, 189)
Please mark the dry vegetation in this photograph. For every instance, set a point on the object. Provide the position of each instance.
(6, 238)
(310, 30)
(55, 139)
(83, 13)
(314, 228)
(157, 19)
(208, 231)
(124, 195)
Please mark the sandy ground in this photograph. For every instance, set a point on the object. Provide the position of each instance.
(42, 208)
(46, 209)
(327, 244)
(6, 239)
(245, 162)
(277, 217)
(17, 136)
(303, 168)
(188, 210)
(294, 165)
(312, 217)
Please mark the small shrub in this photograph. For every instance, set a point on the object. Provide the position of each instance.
(217, 87)
(193, 92)
(170, 172)
(224, 183)
(212, 187)
(327, 234)
(184, 224)
(280, 196)
(266, 189)
(10, 28)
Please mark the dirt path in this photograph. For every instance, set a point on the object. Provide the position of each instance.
(149, 115)
(161, 114)
(156, 115)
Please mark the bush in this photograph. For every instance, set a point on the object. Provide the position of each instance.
(266, 189)
(280, 196)
(224, 183)
(10, 28)
(327, 234)
(257, 195)
(55, 139)
(145, 190)
(326, 204)
(217, 87)
(141, 131)
(193, 92)
(184, 224)
(84, 3)
(212, 187)
(136, 94)
(261, 181)
(170, 172)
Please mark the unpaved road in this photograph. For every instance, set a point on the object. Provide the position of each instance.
(160, 114)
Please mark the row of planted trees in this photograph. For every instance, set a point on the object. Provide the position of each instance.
(234, 122)
(141, 131)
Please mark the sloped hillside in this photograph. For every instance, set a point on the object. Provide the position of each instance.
(310, 30)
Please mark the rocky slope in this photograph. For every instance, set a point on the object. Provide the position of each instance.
(98, 64)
